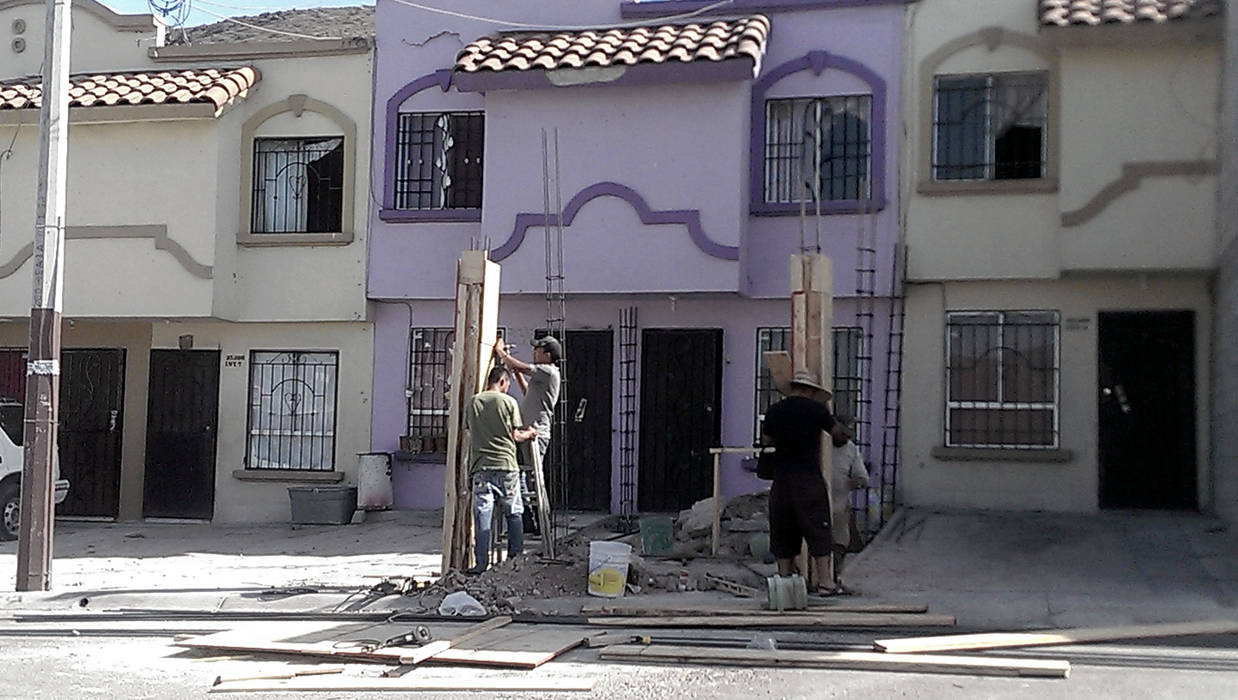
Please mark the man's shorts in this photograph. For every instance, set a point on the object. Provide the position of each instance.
(799, 510)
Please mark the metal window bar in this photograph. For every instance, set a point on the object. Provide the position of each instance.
(847, 382)
(628, 358)
(840, 125)
(298, 185)
(990, 127)
(1002, 379)
(439, 160)
(429, 375)
(292, 410)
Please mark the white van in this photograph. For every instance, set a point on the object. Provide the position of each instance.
(11, 422)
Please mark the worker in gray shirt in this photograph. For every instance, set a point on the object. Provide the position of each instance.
(540, 383)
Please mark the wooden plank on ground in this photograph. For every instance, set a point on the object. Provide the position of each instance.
(525, 647)
(867, 608)
(1052, 637)
(506, 684)
(771, 620)
(286, 637)
(843, 660)
(324, 640)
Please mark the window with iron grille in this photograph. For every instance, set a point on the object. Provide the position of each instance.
(803, 135)
(439, 160)
(429, 378)
(990, 127)
(846, 382)
(429, 372)
(1002, 379)
(298, 185)
(292, 398)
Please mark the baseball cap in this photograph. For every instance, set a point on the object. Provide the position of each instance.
(551, 345)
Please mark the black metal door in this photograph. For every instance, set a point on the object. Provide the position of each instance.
(585, 482)
(92, 401)
(181, 424)
(1147, 410)
(680, 416)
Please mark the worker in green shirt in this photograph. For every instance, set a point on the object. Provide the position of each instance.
(493, 427)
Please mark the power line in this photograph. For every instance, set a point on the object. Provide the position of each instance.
(526, 25)
(281, 32)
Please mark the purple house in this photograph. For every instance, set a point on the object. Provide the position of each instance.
(699, 145)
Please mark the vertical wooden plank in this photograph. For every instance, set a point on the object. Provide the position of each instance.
(476, 327)
(812, 347)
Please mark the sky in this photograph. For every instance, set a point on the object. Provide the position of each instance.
(208, 11)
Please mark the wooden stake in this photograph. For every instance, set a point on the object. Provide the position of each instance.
(543, 502)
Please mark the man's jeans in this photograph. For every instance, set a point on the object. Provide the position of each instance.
(489, 484)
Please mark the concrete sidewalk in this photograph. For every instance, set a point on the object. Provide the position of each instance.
(159, 557)
(1023, 570)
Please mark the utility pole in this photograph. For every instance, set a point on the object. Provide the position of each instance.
(34, 541)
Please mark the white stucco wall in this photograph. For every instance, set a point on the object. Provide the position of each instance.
(120, 175)
(96, 44)
(248, 501)
(1105, 124)
(283, 283)
(1225, 340)
(1070, 486)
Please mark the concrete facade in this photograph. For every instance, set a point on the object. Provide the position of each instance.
(1225, 358)
(656, 183)
(1122, 219)
(160, 251)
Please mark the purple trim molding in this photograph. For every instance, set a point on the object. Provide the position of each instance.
(640, 74)
(441, 79)
(686, 217)
(817, 61)
(663, 8)
(411, 216)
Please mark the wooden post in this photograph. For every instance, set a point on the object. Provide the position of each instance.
(543, 501)
(476, 328)
(716, 532)
(812, 351)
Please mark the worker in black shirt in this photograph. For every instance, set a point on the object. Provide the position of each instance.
(799, 504)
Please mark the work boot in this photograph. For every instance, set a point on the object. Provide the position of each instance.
(515, 535)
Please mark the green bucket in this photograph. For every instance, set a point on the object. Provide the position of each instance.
(656, 534)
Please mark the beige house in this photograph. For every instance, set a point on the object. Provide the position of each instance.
(218, 346)
(1060, 222)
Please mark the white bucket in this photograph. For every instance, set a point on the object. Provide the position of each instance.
(608, 568)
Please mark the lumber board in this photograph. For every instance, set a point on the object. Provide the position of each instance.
(543, 501)
(843, 660)
(316, 639)
(518, 684)
(525, 647)
(769, 620)
(1051, 637)
(824, 611)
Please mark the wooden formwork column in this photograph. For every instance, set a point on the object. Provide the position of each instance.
(476, 328)
(812, 351)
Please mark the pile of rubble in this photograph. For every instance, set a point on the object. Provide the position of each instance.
(507, 587)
